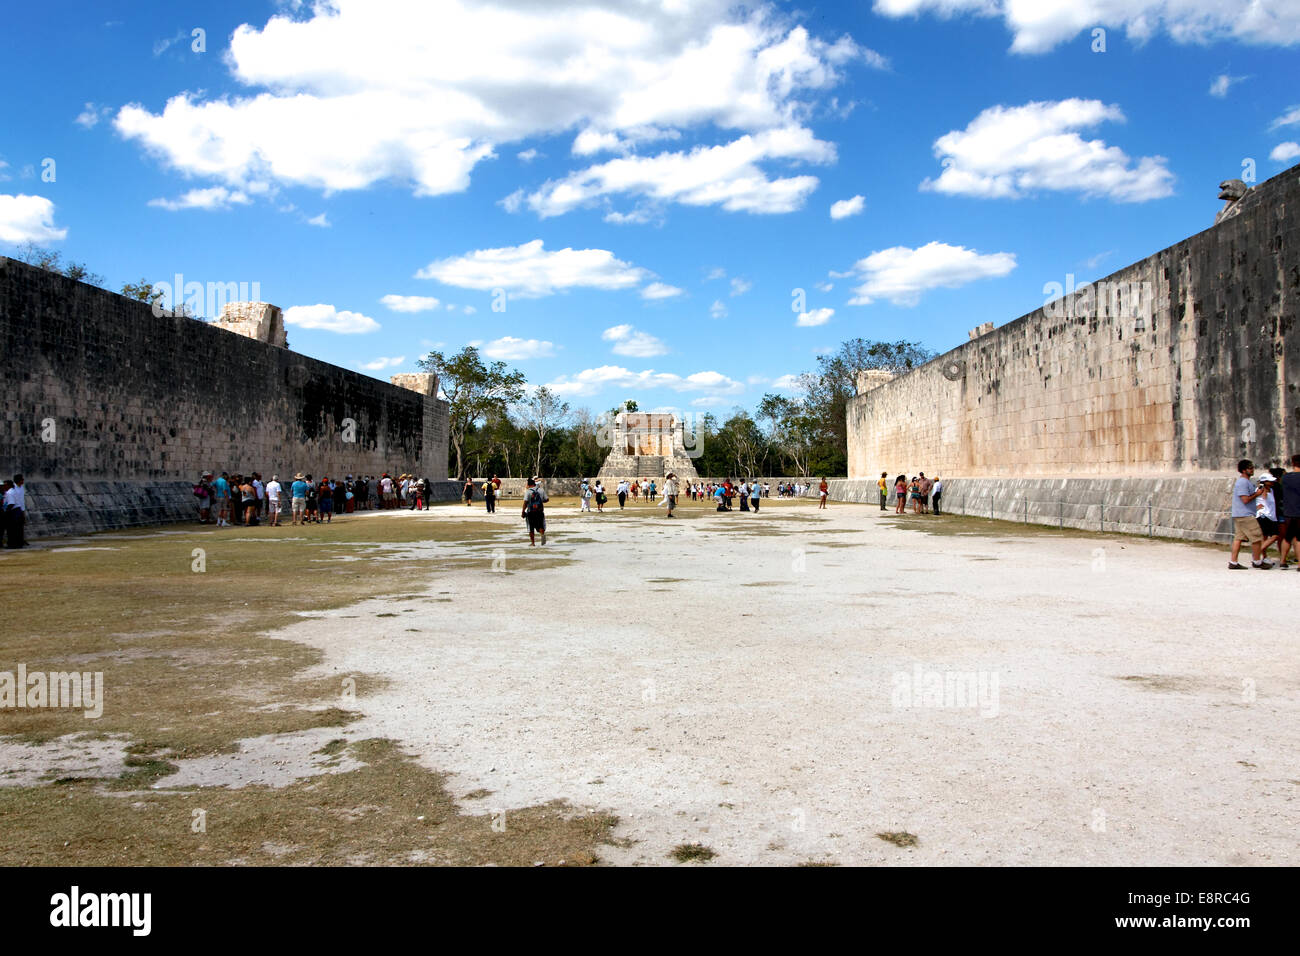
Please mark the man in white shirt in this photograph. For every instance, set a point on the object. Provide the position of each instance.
(15, 514)
(670, 492)
(622, 494)
(273, 492)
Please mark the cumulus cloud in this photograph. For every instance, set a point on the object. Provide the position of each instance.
(717, 310)
(1012, 152)
(426, 91)
(628, 341)
(901, 275)
(1041, 25)
(1285, 152)
(28, 219)
(815, 317)
(511, 349)
(329, 319)
(91, 114)
(660, 290)
(382, 363)
(847, 207)
(727, 176)
(214, 197)
(410, 303)
(593, 380)
(740, 286)
(787, 383)
(529, 271)
(322, 221)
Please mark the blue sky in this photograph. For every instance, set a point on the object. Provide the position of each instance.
(647, 184)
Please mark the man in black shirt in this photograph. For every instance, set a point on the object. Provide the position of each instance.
(1290, 508)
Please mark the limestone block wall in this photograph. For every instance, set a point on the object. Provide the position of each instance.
(98, 388)
(1189, 361)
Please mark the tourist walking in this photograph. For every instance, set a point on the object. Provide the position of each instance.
(490, 495)
(823, 492)
(1245, 526)
(936, 492)
(743, 493)
(535, 499)
(670, 492)
(584, 494)
(622, 494)
(468, 492)
(755, 491)
(601, 498)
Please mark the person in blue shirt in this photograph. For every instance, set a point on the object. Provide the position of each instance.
(221, 492)
(755, 491)
(298, 491)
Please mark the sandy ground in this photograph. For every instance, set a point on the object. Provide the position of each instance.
(1139, 703)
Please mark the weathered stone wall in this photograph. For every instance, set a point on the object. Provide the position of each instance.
(1202, 373)
(98, 388)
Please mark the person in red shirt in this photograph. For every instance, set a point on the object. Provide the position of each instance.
(823, 490)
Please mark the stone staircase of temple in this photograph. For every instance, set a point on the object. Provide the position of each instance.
(649, 466)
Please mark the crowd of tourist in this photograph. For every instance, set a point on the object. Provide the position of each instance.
(1265, 513)
(226, 500)
(920, 495)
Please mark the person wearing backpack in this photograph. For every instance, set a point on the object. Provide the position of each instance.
(535, 499)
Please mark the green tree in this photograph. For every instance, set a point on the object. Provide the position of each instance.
(474, 390)
(52, 261)
(542, 412)
(142, 291)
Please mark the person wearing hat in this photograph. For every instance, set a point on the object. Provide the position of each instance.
(203, 492)
(670, 492)
(298, 492)
(1266, 511)
(534, 513)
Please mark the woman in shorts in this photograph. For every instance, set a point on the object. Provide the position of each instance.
(900, 494)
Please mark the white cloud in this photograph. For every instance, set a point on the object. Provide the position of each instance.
(90, 116)
(1011, 152)
(824, 286)
(901, 274)
(469, 310)
(740, 286)
(1220, 85)
(529, 271)
(660, 290)
(718, 310)
(628, 341)
(844, 208)
(1290, 118)
(593, 380)
(28, 219)
(426, 91)
(214, 197)
(717, 272)
(382, 363)
(329, 319)
(510, 349)
(815, 317)
(787, 383)
(527, 155)
(1285, 152)
(726, 176)
(410, 303)
(162, 46)
(1040, 25)
(322, 221)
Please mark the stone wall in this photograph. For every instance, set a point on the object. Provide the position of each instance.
(1173, 367)
(99, 389)
(1184, 364)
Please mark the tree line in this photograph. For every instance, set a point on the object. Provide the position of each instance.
(499, 426)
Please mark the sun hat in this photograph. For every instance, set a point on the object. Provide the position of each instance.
(298, 477)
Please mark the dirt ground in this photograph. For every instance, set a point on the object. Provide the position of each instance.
(800, 686)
